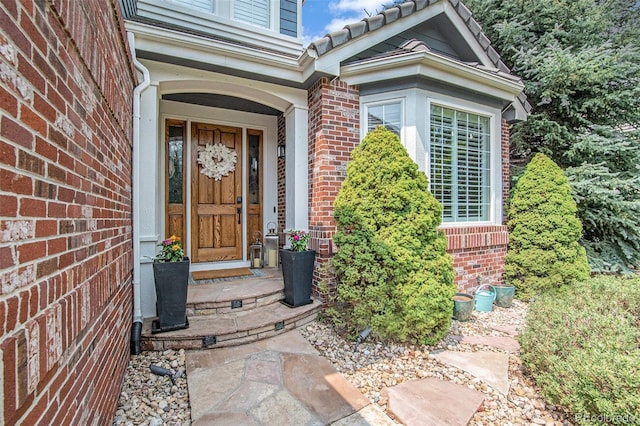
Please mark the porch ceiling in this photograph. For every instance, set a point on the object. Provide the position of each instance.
(222, 101)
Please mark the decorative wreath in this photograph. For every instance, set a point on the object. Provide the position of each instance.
(217, 160)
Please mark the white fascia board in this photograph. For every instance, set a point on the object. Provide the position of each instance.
(330, 62)
(471, 39)
(432, 66)
(308, 62)
(218, 26)
(216, 52)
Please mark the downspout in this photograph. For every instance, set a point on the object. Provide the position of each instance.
(136, 328)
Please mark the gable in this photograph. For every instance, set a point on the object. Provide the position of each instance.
(438, 34)
(435, 39)
(444, 25)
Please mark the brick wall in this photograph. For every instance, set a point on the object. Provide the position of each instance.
(65, 212)
(504, 143)
(478, 251)
(478, 254)
(334, 131)
(282, 187)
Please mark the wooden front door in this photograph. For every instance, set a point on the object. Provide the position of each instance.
(216, 205)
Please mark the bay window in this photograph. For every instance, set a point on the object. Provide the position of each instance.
(454, 141)
(387, 114)
(460, 163)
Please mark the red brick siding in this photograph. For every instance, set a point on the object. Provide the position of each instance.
(478, 251)
(281, 175)
(478, 254)
(65, 215)
(334, 130)
(506, 131)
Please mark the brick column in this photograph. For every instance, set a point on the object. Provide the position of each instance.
(334, 130)
(281, 177)
(506, 181)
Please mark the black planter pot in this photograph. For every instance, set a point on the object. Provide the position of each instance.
(297, 273)
(171, 279)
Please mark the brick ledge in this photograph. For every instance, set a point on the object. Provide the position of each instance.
(469, 237)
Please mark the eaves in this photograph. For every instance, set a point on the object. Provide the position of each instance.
(432, 66)
(192, 50)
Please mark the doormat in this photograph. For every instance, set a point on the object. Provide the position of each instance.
(221, 273)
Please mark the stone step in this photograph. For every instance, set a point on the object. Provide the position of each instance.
(432, 401)
(220, 297)
(235, 327)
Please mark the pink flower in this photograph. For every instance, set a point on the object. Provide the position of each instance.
(296, 237)
(167, 242)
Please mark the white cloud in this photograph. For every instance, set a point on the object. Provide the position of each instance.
(335, 25)
(339, 23)
(344, 12)
(359, 7)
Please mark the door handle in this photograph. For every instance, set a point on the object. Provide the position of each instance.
(239, 210)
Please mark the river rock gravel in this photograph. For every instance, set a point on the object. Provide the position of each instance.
(376, 366)
(149, 399)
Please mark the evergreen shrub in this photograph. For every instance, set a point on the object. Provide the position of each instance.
(581, 345)
(392, 268)
(544, 230)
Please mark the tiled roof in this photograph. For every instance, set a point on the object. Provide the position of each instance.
(392, 14)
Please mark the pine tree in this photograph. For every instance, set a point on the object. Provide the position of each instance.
(544, 252)
(392, 267)
(580, 60)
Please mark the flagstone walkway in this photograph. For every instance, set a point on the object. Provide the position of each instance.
(279, 381)
(285, 381)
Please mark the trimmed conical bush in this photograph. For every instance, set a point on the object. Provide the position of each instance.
(543, 252)
(392, 267)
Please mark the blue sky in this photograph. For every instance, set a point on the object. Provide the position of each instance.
(320, 17)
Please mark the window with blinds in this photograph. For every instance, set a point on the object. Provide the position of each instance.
(254, 12)
(388, 115)
(460, 163)
(204, 5)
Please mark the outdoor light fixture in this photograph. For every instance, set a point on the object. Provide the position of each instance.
(361, 337)
(281, 151)
(271, 241)
(256, 250)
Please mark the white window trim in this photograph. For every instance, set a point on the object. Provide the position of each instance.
(416, 138)
(495, 165)
(187, 10)
(224, 10)
(273, 10)
(383, 99)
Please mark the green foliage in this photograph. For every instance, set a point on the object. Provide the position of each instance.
(543, 252)
(170, 250)
(581, 63)
(298, 240)
(392, 267)
(582, 348)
